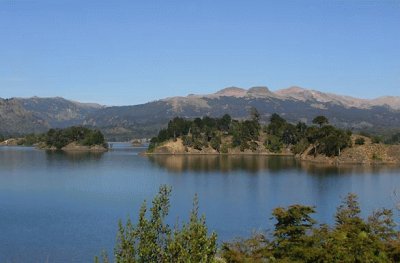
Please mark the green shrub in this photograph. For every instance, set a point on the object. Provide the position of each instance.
(273, 144)
(224, 148)
(215, 143)
(359, 141)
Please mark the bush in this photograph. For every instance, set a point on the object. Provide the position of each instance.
(224, 148)
(215, 143)
(187, 140)
(376, 139)
(273, 144)
(359, 141)
(244, 145)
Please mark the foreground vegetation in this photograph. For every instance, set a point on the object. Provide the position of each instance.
(152, 240)
(296, 237)
(59, 138)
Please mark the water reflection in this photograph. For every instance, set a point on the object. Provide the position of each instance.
(75, 157)
(254, 164)
(223, 163)
(346, 169)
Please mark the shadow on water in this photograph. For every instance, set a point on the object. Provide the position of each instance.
(75, 157)
(254, 164)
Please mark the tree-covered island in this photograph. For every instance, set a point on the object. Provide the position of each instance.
(75, 138)
(320, 141)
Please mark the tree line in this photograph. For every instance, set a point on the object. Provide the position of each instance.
(295, 237)
(206, 132)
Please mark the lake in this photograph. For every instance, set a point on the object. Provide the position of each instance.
(59, 207)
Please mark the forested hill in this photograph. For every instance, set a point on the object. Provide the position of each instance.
(19, 116)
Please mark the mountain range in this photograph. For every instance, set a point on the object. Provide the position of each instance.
(32, 115)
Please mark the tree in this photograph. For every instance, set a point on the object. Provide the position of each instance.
(290, 231)
(301, 128)
(224, 123)
(255, 115)
(276, 125)
(273, 144)
(209, 122)
(152, 240)
(192, 243)
(332, 141)
(352, 239)
(290, 135)
(320, 120)
(177, 127)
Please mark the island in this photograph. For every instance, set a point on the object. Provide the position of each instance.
(319, 142)
(74, 138)
(71, 139)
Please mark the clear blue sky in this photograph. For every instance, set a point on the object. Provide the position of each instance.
(130, 52)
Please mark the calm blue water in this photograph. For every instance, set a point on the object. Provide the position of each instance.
(57, 207)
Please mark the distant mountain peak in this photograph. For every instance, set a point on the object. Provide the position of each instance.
(232, 92)
(260, 91)
(290, 90)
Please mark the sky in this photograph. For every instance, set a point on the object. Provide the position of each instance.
(130, 52)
